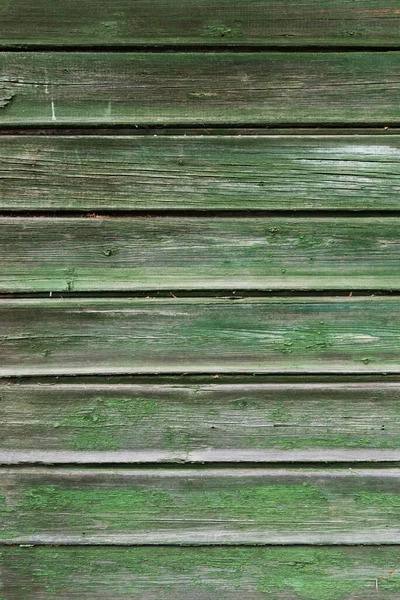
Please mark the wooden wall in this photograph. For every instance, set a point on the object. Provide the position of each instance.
(199, 300)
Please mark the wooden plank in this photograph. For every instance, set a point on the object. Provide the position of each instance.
(208, 23)
(198, 506)
(199, 335)
(126, 423)
(69, 254)
(340, 573)
(285, 172)
(259, 88)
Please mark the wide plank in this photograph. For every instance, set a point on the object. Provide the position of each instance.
(265, 422)
(159, 253)
(217, 172)
(340, 573)
(199, 506)
(262, 88)
(199, 335)
(207, 23)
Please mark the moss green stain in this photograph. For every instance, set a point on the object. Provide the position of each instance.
(47, 503)
(327, 440)
(378, 499)
(315, 337)
(99, 424)
(177, 439)
(302, 573)
(285, 501)
(221, 31)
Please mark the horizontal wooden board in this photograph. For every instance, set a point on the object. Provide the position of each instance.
(159, 253)
(285, 172)
(199, 335)
(198, 506)
(89, 423)
(340, 573)
(199, 172)
(195, 88)
(208, 23)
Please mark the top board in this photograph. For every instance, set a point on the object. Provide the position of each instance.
(205, 23)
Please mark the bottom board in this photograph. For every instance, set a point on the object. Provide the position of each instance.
(341, 573)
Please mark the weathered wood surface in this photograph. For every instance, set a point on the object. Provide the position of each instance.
(199, 335)
(197, 506)
(123, 423)
(340, 573)
(286, 172)
(164, 253)
(195, 88)
(208, 23)
(199, 173)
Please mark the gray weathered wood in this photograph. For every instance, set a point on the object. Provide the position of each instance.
(208, 23)
(47, 254)
(340, 573)
(228, 172)
(126, 423)
(199, 335)
(213, 506)
(196, 88)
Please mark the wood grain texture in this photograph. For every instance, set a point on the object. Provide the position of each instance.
(195, 88)
(158, 253)
(340, 573)
(222, 22)
(128, 423)
(197, 506)
(265, 335)
(286, 172)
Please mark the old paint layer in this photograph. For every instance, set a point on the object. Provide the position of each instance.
(201, 89)
(218, 422)
(207, 23)
(341, 573)
(287, 172)
(213, 506)
(199, 335)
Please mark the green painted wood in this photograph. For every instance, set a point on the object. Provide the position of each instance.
(48, 254)
(197, 506)
(286, 172)
(208, 22)
(340, 573)
(195, 88)
(199, 335)
(126, 423)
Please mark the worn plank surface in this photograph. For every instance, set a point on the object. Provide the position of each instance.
(159, 253)
(106, 423)
(199, 335)
(195, 88)
(340, 573)
(286, 172)
(199, 172)
(208, 22)
(198, 506)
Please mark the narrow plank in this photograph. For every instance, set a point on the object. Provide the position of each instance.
(199, 335)
(92, 423)
(209, 22)
(228, 172)
(340, 573)
(70, 254)
(259, 88)
(198, 506)
(199, 173)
